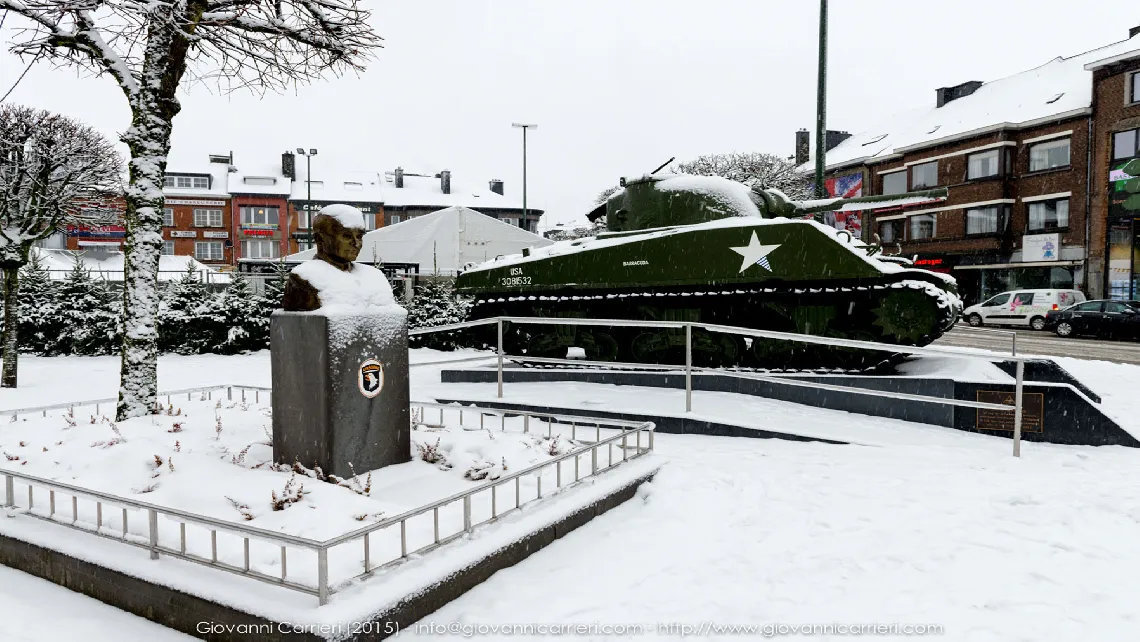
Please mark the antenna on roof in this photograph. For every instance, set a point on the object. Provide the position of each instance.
(663, 165)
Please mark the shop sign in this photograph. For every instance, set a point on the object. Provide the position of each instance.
(183, 234)
(182, 201)
(1040, 247)
(928, 262)
(257, 232)
(101, 231)
(216, 235)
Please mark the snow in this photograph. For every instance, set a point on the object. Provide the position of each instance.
(910, 524)
(109, 266)
(362, 287)
(36, 610)
(737, 197)
(443, 241)
(347, 215)
(427, 191)
(334, 184)
(1012, 101)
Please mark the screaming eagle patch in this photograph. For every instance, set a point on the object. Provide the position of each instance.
(370, 378)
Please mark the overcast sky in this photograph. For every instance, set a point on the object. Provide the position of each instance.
(616, 86)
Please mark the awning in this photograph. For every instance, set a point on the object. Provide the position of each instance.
(1010, 266)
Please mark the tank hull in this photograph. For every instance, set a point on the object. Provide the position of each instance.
(766, 274)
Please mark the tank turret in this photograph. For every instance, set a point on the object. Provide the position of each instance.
(664, 200)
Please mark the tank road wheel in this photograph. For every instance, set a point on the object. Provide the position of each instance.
(715, 350)
(906, 316)
(598, 346)
(651, 347)
(550, 344)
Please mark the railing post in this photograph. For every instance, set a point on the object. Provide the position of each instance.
(153, 523)
(323, 575)
(499, 325)
(467, 513)
(1017, 411)
(688, 367)
(9, 491)
(1013, 347)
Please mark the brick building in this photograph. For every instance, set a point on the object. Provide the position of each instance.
(1014, 156)
(197, 217)
(1114, 244)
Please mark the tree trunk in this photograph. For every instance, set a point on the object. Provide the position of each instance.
(149, 141)
(11, 324)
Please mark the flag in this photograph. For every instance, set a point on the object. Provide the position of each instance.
(848, 186)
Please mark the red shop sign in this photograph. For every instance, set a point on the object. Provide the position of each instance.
(257, 232)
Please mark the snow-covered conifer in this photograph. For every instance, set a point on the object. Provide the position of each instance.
(435, 302)
(86, 315)
(39, 300)
(189, 320)
(245, 319)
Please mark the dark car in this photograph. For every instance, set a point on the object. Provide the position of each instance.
(1103, 318)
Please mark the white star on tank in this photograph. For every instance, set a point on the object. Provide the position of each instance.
(755, 254)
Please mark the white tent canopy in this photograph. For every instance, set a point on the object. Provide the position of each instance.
(443, 241)
(108, 266)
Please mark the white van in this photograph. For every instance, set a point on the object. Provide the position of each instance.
(1020, 307)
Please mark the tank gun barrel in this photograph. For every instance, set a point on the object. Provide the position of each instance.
(800, 208)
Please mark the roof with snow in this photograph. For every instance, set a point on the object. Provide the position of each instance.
(259, 177)
(333, 184)
(427, 191)
(108, 266)
(445, 240)
(1060, 88)
(219, 179)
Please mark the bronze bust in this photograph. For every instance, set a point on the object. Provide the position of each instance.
(338, 245)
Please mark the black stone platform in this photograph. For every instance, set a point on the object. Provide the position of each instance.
(1068, 417)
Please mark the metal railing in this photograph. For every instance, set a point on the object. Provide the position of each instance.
(689, 368)
(207, 393)
(1010, 333)
(304, 564)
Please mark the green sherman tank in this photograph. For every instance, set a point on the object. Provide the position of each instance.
(711, 250)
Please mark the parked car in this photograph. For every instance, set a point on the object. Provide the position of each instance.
(1020, 307)
(1103, 318)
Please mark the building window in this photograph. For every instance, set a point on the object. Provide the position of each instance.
(304, 244)
(923, 226)
(208, 251)
(304, 219)
(259, 180)
(395, 219)
(982, 165)
(924, 175)
(260, 249)
(1124, 144)
(894, 183)
(168, 217)
(1047, 216)
(1135, 89)
(1054, 153)
(890, 231)
(369, 220)
(983, 220)
(510, 221)
(259, 216)
(186, 182)
(168, 248)
(207, 218)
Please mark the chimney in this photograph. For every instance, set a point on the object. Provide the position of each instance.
(1133, 31)
(399, 177)
(496, 186)
(833, 138)
(445, 181)
(289, 166)
(803, 146)
(947, 94)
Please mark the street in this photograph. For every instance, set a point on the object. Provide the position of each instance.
(1041, 343)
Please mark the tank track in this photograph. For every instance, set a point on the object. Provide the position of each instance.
(906, 311)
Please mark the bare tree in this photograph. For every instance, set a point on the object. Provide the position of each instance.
(755, 169)
(54, 171)
(149, 47)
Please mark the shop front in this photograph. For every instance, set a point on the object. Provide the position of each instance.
(981, 276)
(1123, 236)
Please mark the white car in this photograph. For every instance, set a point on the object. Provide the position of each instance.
(1020, 307)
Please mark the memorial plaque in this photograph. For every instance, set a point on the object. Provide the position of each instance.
(1032, 411)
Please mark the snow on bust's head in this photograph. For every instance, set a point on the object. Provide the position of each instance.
(361, 288)
(346, 215)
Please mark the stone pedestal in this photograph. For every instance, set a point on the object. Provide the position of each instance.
(331, 406)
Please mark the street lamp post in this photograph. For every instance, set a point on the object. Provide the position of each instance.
(308, 183)
(524, 127)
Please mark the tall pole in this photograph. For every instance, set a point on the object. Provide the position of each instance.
(309, 183)
(524, 178)
(821, 104)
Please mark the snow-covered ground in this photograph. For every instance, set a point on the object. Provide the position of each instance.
(36, 610)
(911, 524)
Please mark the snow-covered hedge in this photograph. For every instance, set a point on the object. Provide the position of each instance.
(81, 315)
